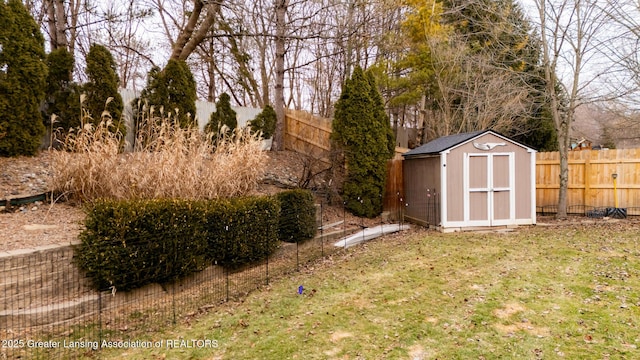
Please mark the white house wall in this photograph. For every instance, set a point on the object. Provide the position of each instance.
(203, 112)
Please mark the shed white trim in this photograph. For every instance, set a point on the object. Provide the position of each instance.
(443, 188)
(493, 133)
(533, 185)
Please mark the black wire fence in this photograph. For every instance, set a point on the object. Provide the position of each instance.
(589, 211)
(424, 207)
(50, 310)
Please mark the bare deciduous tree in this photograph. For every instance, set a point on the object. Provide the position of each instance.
(624, 54)
(472, 93)
(123, 35)
(569, 32)
(192, 21)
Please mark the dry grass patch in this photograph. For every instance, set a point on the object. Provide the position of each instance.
(508, 310)
(417, 352)
(167, 162)
(339, 335)
(511, 330)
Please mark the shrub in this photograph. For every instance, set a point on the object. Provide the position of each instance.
(103, 99)
(128, 244)
(223, 116)
(265, 122)
(297, 215)
(23, 74)
(171, 90)
(63, 95)
(242, 230)
(362, 142)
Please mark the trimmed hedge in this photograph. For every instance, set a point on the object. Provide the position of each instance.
(242, 230)
(297, 215)
(128, 244)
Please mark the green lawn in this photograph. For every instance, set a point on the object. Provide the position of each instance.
(568, 292)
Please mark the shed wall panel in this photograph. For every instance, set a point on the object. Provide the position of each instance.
(480, 204)
(502, 209)
(422, 187)
(489, 138)
(524, 198)
(455, 186)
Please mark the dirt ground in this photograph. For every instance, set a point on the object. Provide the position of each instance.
(41, 224)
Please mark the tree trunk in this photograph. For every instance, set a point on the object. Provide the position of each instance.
(61, 24)
(194, 33)
(187, 31)
(51, 24)
(56, 23)
(568, 33)
(201, 33)
(74, 9)
(563, 141)
(281, 12)
(211, 88)
(246, 78)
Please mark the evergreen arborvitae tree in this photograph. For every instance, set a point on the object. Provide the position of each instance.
(174, 90)
(23, 76)
(361, 133)
(265, 122)
(62, 94)
(224, 115)
(380, 115)
(103, 84)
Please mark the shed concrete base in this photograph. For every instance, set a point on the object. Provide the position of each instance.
(503, 228)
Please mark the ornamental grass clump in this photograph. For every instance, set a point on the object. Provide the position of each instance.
(167, 161)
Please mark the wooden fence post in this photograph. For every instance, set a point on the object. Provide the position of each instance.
(587, 181)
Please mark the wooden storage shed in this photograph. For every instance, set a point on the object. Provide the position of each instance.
(470, 180)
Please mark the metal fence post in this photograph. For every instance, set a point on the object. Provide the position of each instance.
(226, 276)
(344, 223)
(297, 259)
(100, 316)
(226, 266)
(321, 229)
(266, 249)
(381, 221)
(361, 217)
(173, 300)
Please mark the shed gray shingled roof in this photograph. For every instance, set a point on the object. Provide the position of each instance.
(443, 143)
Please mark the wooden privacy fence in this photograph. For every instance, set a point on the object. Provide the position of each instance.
(307, 134)
(310, 135)
(590, 178)
(590, 171)
(394, 189)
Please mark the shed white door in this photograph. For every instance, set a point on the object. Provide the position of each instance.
(489, 197)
